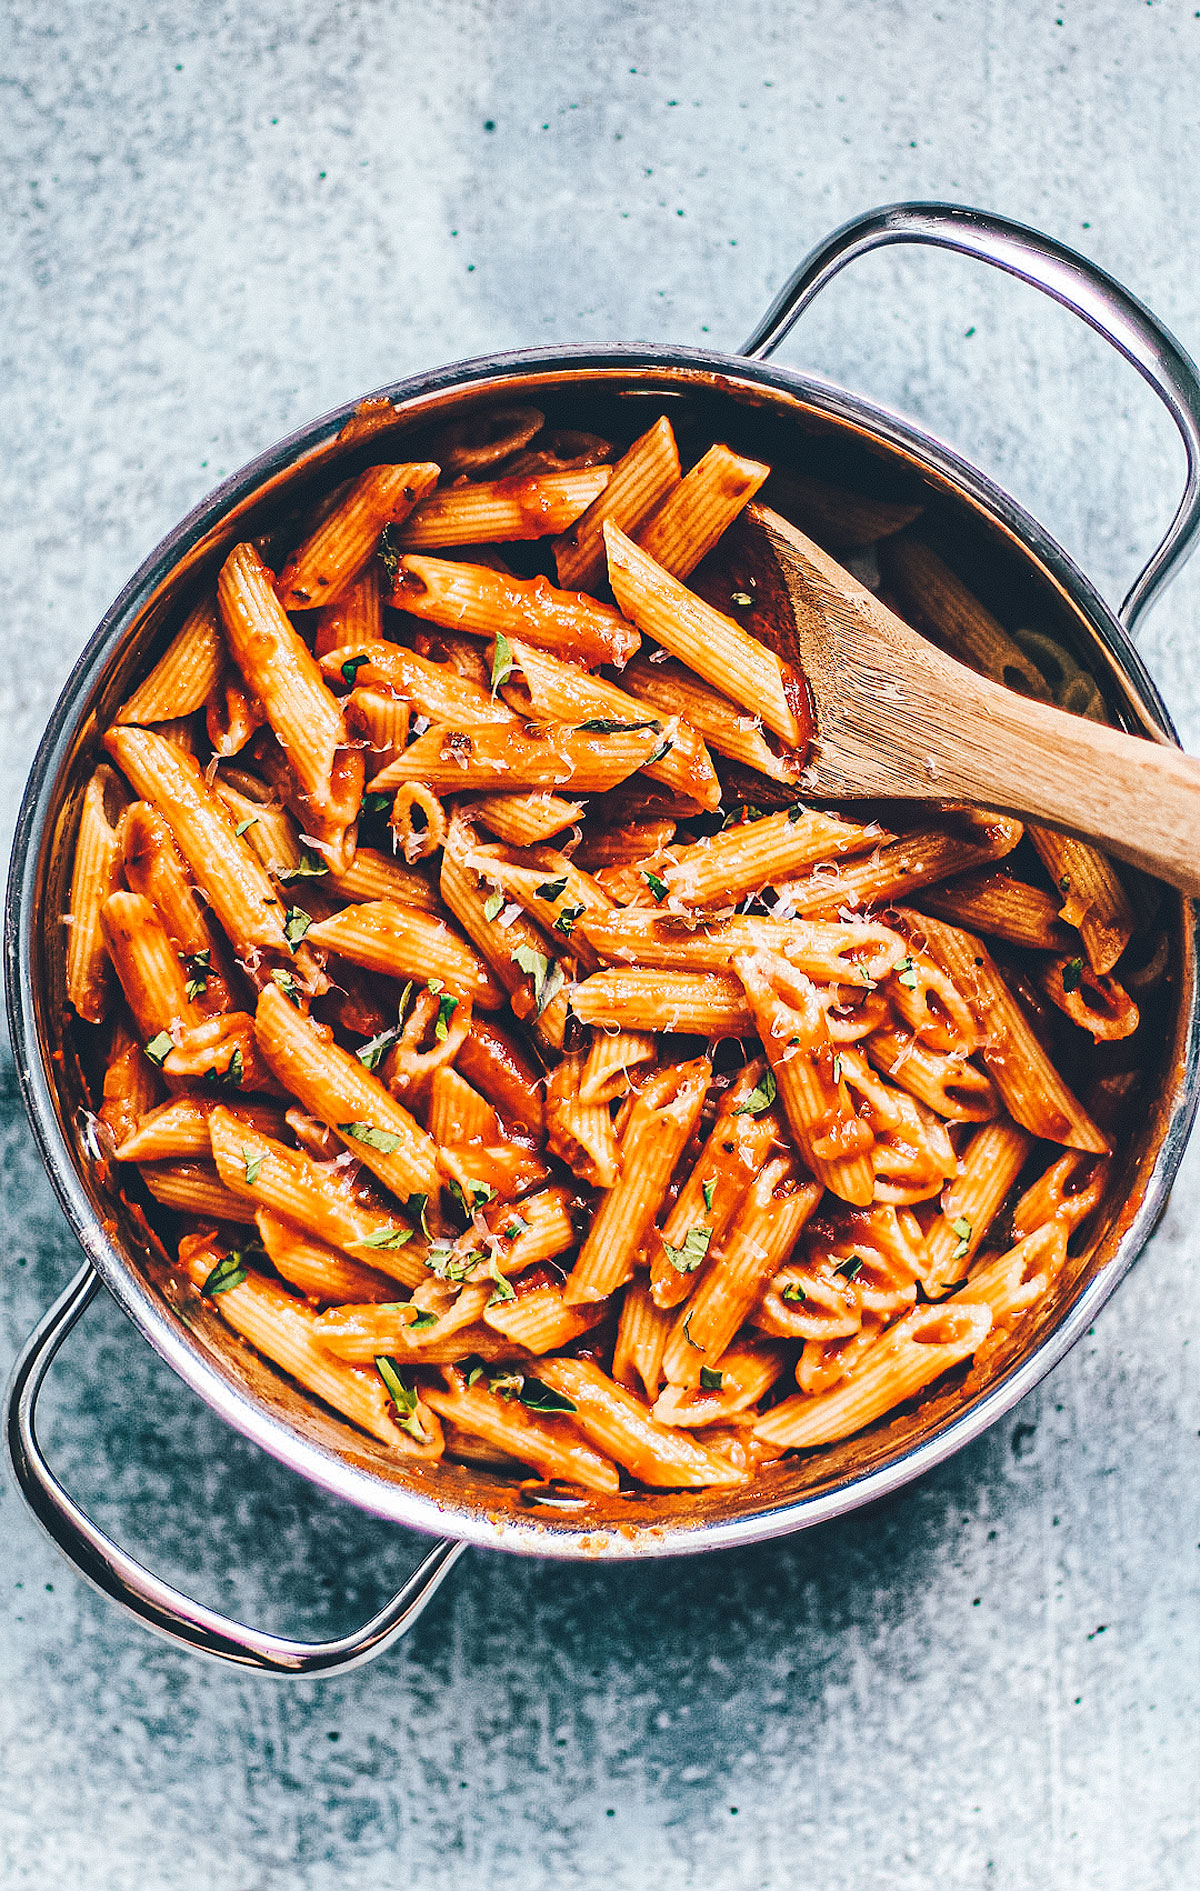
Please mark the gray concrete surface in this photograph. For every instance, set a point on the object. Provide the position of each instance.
(220, 220)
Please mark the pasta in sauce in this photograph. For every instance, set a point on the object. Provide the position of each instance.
(505, 1065)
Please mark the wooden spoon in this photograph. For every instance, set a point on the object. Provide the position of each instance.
(897, 718)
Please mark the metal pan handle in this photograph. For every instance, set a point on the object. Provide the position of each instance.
(153, 1602)
(1059, 272)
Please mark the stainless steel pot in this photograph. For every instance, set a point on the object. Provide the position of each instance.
(782, 416)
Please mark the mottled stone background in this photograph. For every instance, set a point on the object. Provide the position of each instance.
(221, 220)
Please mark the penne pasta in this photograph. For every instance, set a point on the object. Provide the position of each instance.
(94, 876)
(611, 1056)
(702, 1004)
(321, 1273)
(524, 819)
(323, 568)
(579, 1133)
(530, 755)
(898, 869)
(831, 952)
(662, 1118)
(405, 942)
(282, 673)
(987, 1171)
(722, 870)
(904, 1360)
(486, 603)
(709, 643)
(1004, 907)
(502, 509)
(621, 1425)
(185, 675)
(642, 478)
(551, 1446)
(339, 1089)
(689, 521)
(436, 690)
(222, 863)
(728, 727)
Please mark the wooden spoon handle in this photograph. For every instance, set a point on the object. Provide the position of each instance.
(1139, 799)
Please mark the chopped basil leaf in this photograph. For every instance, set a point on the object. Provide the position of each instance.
(422, 1321)
(386, 1238)
(296, 924)
(236, 1070)
(835, 1068)
(351, 668)
(447, 1006)
(228, 1272)
(657, 887)
(848, 1269)
(506, 1383)
(1072, 974)
(761, 1097)
(288, 984)
(501, 1294)
(710, 1379)
(405, 995)
(565, 923)
(374, 1048)
(390, 551)
(374, 804)
(474, 1195)
(475, 1368)
(796, 813)
(442, 1261)
(551, 889)
(543, 1398)
(403, 1397)
(435, 985)
(253, 1165)
(606, 725)
(906, 973)
(381, 1139)
(309, 869)
(707, 1188)
(864, 978)
(195, 986)
(159, 1048)
(962, 1228)
(250, 821)
(1064, 885)
(502, 661)
(516, 1227)
(664, 748)
(794, 1292)
(416, 1206)
(687, 1333)
(686, 1259)
(492, 906)
(547, 974)
(741, 598)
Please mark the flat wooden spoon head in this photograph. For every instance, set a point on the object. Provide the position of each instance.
(897, 718)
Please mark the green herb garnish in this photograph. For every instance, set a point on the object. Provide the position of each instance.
(296, 923)
(403, 1398)
(309, 869)
(288, 984)
(159, 1048)
(502, 661)
(228, 1272)
(1072, 975)
(416, 1206)
(351, 668)
(962, 1228)
(707, 1191)
(848, 1269)
(374, 804)
(906, 973)
(543, 1398)
(761, 1097)
(492, 906)
(381, 1139)
(447, 1006)
(551, 889)
(608, 725)
(386, 1238)
(710, 1378)
(686, 1259)
(657, 887)
(253, 1165)
(794, 1292)
(243, 826)
(375, 1047)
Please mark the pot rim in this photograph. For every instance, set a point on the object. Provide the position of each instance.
(554, 1536)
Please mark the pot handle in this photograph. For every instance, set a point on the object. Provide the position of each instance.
(1059, 272)
(153, 1602)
